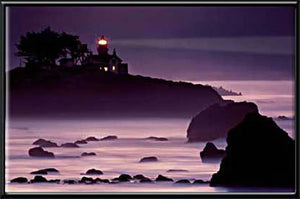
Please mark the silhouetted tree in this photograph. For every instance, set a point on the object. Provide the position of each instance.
(74, 47)
(42, 49)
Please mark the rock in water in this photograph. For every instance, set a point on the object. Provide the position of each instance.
(69, 145)
(215, 121)
(45, 171)
(81, 142)
(184, 181)
(44, 143)
(94, 172)
(211, 153)
(163, 178)
(110, 137)
(91, 139)
(124, 178)
(40, 152)
(38, 179)
(177, 170)
(149, 159)
(88, 154)
(259, 153)
(19, 180)
(157, 138)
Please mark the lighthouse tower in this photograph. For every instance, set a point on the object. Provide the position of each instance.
(102, 46)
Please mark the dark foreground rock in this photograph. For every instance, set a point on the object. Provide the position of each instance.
(40, 152)
(19, 180)
(211, 153)
(157, 138)
(163, 178)
(259, 153)
(149, 159)
(45, 143)
(94, 172)
(88, 154)
(110, 137)
(215, 121)
(45, 171)
(69, 145)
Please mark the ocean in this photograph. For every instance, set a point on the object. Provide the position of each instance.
(115, 157)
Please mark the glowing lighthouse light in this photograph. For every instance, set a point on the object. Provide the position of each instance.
(102, 42)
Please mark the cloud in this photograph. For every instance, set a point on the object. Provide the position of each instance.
(278, 45)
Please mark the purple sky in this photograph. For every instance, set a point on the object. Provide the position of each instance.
(190, 43)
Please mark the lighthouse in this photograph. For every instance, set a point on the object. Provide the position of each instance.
(105, 62)
(102, 46)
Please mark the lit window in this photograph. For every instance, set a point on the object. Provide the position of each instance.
(113, 67)
(102, 42)
(105, 69)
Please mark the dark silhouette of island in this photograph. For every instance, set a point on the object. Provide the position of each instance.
(259, 154)
(84, 84)
(215, 121)
(77, 92)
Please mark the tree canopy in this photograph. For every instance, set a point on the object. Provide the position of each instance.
(44, 48)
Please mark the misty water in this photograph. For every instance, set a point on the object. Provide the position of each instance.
(120, 156)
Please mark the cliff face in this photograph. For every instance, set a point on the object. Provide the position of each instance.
(215, 121)
(79, 93)
(259, 153)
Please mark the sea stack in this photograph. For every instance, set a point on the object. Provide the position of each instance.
(259, 154)
(215, 121)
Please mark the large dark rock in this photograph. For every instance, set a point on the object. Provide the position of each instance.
(211, 153)
(40, 152)
(215, 121)
(44, 143)
(259, 153)
(149, 159)
(19, 180)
